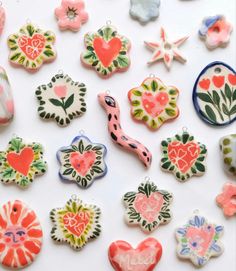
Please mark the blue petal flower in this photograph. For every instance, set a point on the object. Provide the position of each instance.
(185, 251)
(201, 261)
(181, 231)
(219, 228)
(197, 221)
(216, 248)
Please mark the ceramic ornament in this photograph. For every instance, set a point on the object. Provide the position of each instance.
(145, 257)
(71, 15)
(82, 162)
(2, 18)
(214, 94)
(106, 51)
(75, 223)
(226, 200)
(62, 99)
(31, 47)
(21, 162)
(148, 208)
(166, 50)
(215, 31)
(118, 136)
(199, 240)
(183, 156)
(6, 99)
(153, 103)
(228, 153)
(144, 10)
(20, 235)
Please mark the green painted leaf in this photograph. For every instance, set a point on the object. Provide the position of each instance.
(137, 92)
(154, 85)
(166, 165)
(216, 97)
(16, 144)
(69, 101)
(81, 146)
(185, 137)
(205, 97)
(165, 214)
(107, 33)
(55, 102)
(30, 29)
(223, 95)
(97, 169)
(234, 95)
(123, 61)
(39, 165)
(233, 110)
(200, 167)
(48, 53)
(225, 109)
(228, 92)
(15, 57)
(138, 112)
(210, 113)
(68, 171)
(170, 112)
(172, 92)
(135, 103)
(8, 173)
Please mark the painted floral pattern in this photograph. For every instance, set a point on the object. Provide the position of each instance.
(31, 46)
(20, 235)
(199, 240)
(21, 162)
(106, 51)
(82, 162)
(154, 103)
(183, 156)
(62, 99)
(148, 208)
(76, 223)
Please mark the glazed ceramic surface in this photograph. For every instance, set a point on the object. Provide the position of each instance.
(2, 19)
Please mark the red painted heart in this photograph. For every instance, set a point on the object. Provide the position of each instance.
(33, 46)
(82, 162)
(107, 51)
(144, 258)
(76, 223)
(205, 84)
(183, 155)
(21, 162)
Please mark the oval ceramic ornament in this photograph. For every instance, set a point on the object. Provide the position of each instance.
(82, 162)
(75, 223)
(145, 257)
(2, 18)
(183, 156)
(154, 103)
(21, 162)
(148, 208)
(199, 240)
(20, 235)
(62, 99)
(31, 47)
(228, 153)
(6, 99)
(214, 94)
(107, 51)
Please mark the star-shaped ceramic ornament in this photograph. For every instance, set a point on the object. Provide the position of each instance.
(166, 50)
(21, 162)
(62, 99)
(82, 162)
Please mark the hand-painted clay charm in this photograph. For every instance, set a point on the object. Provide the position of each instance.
(21, 162)
(144, 10)
(148, 208)
(2, 18)
(62, 99)
(228, 150)
(82, 162)
(214, 94)
(198, 240)
(71, 14)
(215, 31)
(20, 235)
(118, 136)
(76, 223)
(124, 257)
(30, 47)
(6, 99)
(153, 103)
(226, 200)
(166, 50)
(183, 156)
(106, 51)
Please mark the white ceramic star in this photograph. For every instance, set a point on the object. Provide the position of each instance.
(166, 50)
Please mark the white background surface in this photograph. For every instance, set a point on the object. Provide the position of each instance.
(125, 171)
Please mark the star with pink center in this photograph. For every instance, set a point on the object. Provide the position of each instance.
(166, 50)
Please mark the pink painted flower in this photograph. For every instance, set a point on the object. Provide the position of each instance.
(71, 14)
(163, 98)
(60, 91)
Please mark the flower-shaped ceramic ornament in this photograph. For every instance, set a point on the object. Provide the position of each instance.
(199, 240)
(75, 223)
(31, 47)
(82, 162)
(154, 103)
(62, 99)
(21, 162)
(106, 51)
(71, 14)
(215, 31)
(144, 10)
(183, 156)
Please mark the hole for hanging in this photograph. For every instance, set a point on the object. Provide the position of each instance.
(216, 29)
(233, 200)
(167, 46)
(147, 179)
(218, 70)
(14, 209)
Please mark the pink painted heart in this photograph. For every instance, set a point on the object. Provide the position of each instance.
(82, 162)
(154, 104)
(76, 223)
(148, 207)
(145, 257)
